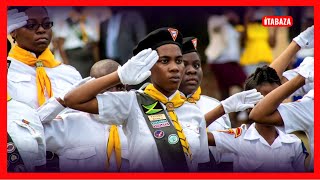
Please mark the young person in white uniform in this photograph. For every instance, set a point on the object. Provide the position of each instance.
(167, 136)
(98, 147)
(34, 75)
(190, 88)
(261, 148)
(294, 116)
(297, 115)
(26, 148)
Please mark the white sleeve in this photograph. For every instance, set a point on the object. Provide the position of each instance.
(49, 110)
(298, 162)
(115, 106)
(298, 115)
(290, 74)
(203, 143)
(55, 132)
(227, 142)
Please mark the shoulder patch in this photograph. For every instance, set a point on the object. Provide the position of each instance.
(236, 131)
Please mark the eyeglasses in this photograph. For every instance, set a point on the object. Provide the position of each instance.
(34, 26)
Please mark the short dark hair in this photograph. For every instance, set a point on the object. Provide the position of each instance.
(264, 74)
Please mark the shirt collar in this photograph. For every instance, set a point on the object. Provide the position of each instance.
(252, 134)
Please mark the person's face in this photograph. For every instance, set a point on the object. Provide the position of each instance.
(167, 73)
(266, 88)
(34, 40)
(193, 74)
(117, 88)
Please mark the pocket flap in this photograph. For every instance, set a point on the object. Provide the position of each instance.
(80, 152)
(19, 77)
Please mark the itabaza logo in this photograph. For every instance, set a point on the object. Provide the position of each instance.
(277, 21)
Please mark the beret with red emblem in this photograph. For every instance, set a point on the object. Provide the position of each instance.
(189, 45)
(159, 37)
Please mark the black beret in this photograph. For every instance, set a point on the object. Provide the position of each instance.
(189, 45)
(158, 38)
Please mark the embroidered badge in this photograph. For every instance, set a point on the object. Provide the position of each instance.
(158, 134)
(20, 168)
(14, 158)
(156, 117)
(170, 106)
(174, 33)
(10, 147)
(194, 42)
(236, 131)
(173, 139)
(160, 123)
(150, 109)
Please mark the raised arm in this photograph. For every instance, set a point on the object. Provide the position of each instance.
(136, 70)
(235, 103)
(303, 40)
(266, 110)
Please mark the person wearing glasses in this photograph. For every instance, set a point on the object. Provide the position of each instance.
(34, 75)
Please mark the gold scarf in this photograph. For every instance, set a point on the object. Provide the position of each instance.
(46, 59)
(175, 102)
(195, 96)
(114, 143)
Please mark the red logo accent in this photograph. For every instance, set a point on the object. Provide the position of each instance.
(194, 42)
(174, 33)
(277, 21)
(235, 131)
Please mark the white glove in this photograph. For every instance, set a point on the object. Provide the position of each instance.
(306, 69)
(137, 69)
(306, 38)
(16, 20)
(241, 101)
(77, 84)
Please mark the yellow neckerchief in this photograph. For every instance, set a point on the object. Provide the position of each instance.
(175, 102)
(46, 59)
(8, 97)
(114, 143)
(194, 97)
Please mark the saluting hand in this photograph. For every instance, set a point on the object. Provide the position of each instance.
(241, 101)
(137, 69)
(15, 20)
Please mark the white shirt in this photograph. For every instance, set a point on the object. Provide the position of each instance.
(84, 151)
(254, 154)
(299, 116)
(28, 138)
(206, 104)
(22, 81)
(122, 108)
(290, 74)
